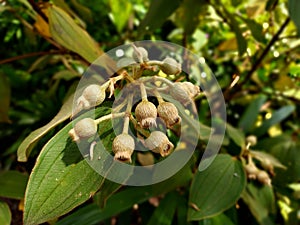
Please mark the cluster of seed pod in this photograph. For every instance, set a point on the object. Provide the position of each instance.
(145, 114)
(252, 171)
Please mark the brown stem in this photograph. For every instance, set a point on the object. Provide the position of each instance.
(32, 54)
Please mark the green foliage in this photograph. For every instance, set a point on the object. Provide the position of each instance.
(252, 47)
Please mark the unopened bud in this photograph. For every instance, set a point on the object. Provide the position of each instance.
(170, 66)
(83, 129)
(251, 170)
(158, 142)
(251, 139)
(140, 55)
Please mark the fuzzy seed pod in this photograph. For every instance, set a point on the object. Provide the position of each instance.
(169, 113)
(191, 89)
(263, 177)
(252, 139)
(140, 55)
(83, 129)
(158, 142)
(251, 170)
(170, 66)
(178, 92)
(146, 114)
(123, 147)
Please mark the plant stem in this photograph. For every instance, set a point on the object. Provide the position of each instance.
(143, 92)
(109, 116)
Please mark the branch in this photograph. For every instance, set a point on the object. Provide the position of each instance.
(32, 54)
(259, 60)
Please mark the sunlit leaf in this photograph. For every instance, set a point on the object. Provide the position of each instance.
(66, 32)
(5, 214)
(120, 13)
(217, 188)
(13, 184)
(28, 143)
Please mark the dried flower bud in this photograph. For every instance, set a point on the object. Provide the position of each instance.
(170, 66)
(83, 129)
(169, 113)
(263, 177)
(252, 139)
(140, 55)
(191, 89)
(251, 170)
(158, 142)
(178, 92)
(123, 147)
(146, 114)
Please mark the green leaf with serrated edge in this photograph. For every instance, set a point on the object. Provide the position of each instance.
(277, 117)
(236, 135)
(220, 219)
(4, 98)
(67, 33)
(294, 6)
(125, 199)
(260, 201)
(63, 114)
(249, 117)
(61, 179)
(158, 12)
(13, 184)
(5, 214)
(217, 188)
(164, 213)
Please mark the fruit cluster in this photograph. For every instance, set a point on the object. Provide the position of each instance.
(145, 115)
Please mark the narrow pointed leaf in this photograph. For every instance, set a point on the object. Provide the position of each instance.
(28, 143)
(67, 33)
(217, 188)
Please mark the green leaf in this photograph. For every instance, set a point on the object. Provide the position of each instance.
(158, 12)
(13, 184)
(277, 117)
(61, 179)
(125, 199)
(217, 188)
(164, 213)
(261, 202)
(4, 98)
(108, 188)
(120, 13)
(249, 117)
(256, 29)
(236, 135)
(188, 14)
(67, 33)
(220, 219)
(5, 214)
(28, 143)
(294, 6)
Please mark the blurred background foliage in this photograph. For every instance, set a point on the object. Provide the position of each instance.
(252, 47)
